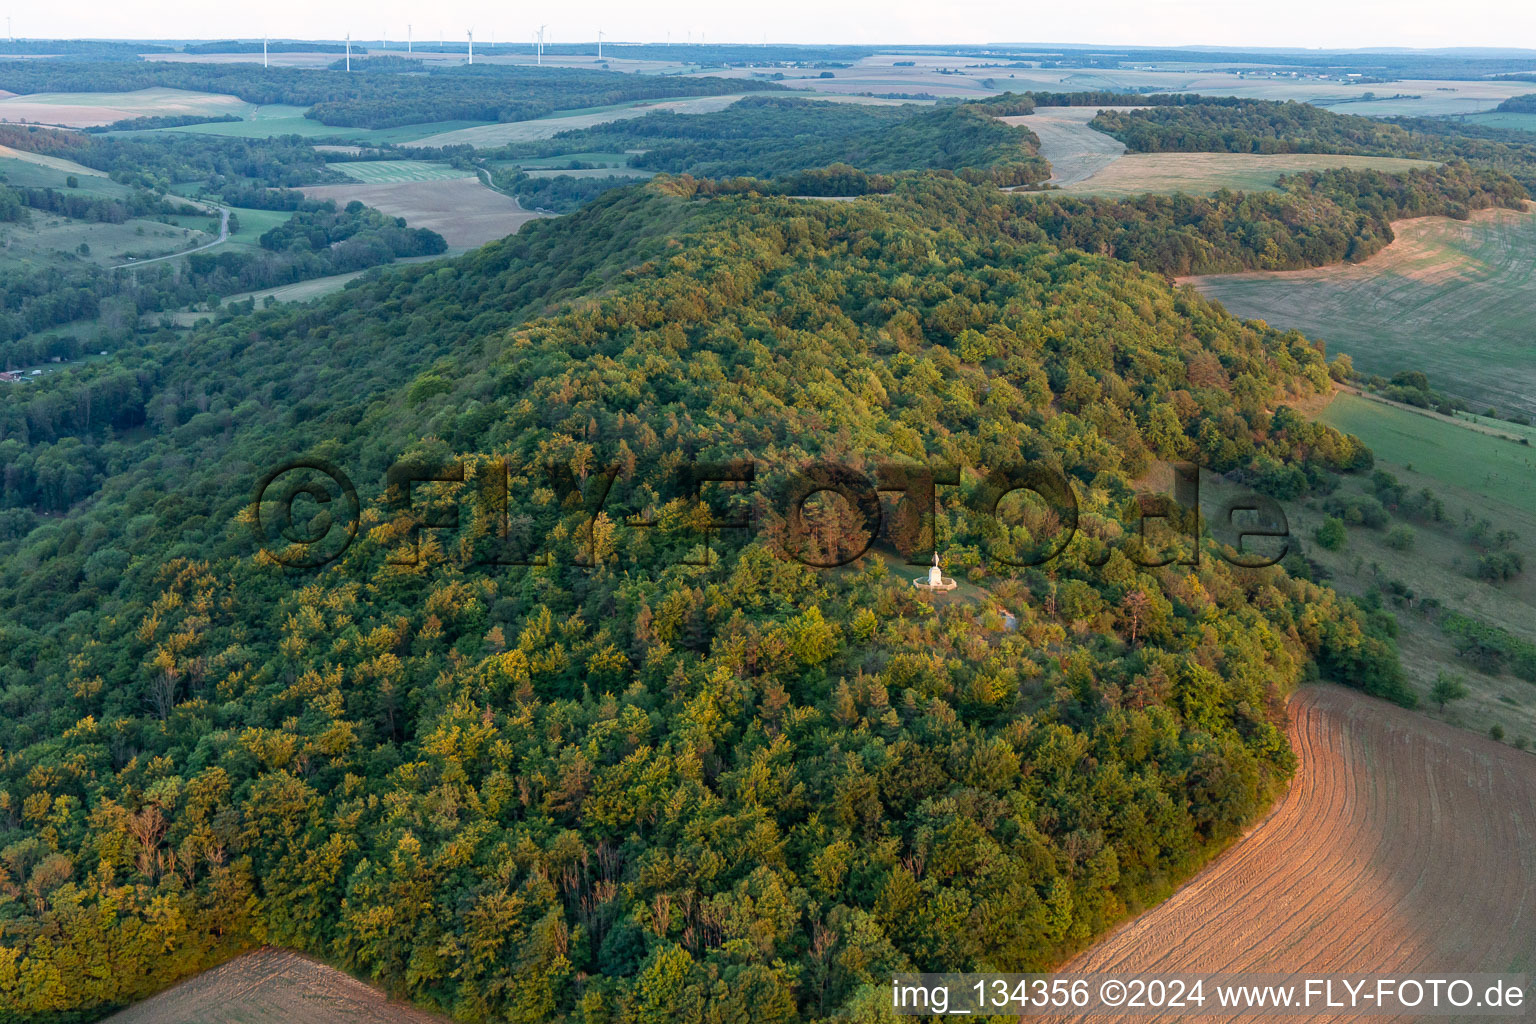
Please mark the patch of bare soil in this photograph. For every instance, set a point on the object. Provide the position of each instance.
(272, 986)
(1403, 845)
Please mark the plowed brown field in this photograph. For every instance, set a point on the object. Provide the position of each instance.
(272, 986)
(462, 210)
(1402, 845)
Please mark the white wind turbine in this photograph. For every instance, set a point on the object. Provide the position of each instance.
(471, 33)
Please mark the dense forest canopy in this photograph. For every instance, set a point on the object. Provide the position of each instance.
(769, 135)
(662, 786)
(780, 138)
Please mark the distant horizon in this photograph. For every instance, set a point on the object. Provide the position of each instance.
(432, 38)
(1323, 25)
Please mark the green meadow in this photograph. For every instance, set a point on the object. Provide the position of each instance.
(1451, 298)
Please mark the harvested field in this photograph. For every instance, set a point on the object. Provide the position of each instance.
(462, 210)
(272, 986)
(1402, 845)
(83, 109)
(1075, 151)
(1451, 298)
(1194, 173)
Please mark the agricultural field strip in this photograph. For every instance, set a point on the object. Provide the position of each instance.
(383, 172)
(490, 135)
(462, 210)
(84, 109)
(1373, 861)
(1459, 455)
(1075, 151)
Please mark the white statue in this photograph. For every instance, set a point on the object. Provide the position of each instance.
(936, 580)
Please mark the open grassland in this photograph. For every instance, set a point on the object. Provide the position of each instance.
(300, 291)
(49, 240)
(1402, 845)
(1466, 458)
(1076, 152)
(1136, 173)
(1504, 119)
(490, 135)
(83, 109)
(1478, 473)
(462, 210)
(272, 986)
(1451, 298)
(19, 167)
(385, 172)
(252, 224)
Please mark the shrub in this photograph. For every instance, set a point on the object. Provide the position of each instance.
(1331, 534)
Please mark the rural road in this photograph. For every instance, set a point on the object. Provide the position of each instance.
(223, 236)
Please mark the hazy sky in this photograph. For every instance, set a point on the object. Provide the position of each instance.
(1312, 23)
